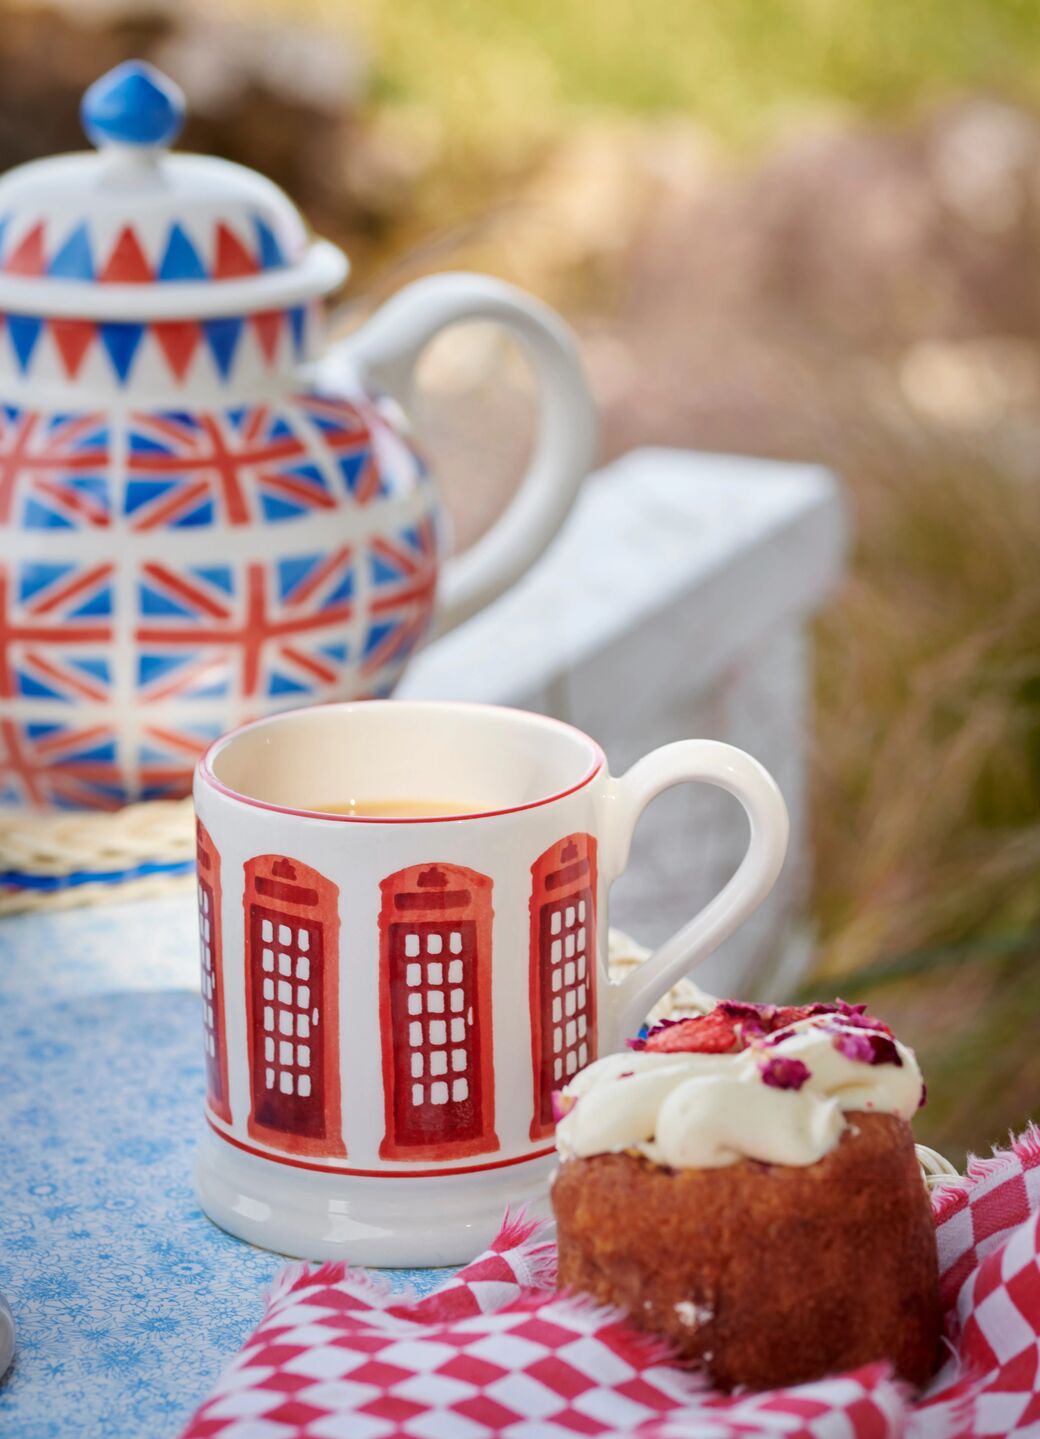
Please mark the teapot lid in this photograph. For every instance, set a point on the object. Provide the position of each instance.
(131, 231)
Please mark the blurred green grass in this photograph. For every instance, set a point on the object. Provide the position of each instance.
(501, 76)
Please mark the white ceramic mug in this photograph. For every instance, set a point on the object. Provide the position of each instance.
(389, 1003)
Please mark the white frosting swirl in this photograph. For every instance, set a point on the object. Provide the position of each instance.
(704, 1111)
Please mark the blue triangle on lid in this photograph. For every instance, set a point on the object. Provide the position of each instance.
(297, 321)
(74, 260)
(180, 259)
(222, 336)
(272, 256)
(25, 331)
(121, 340)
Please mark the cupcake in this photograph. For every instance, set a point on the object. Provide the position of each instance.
(745, 1184)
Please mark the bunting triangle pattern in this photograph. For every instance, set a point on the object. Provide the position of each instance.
(178, 341)
(67, 250)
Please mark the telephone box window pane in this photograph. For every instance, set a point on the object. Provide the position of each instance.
(285, 1022)
(458, 1060)
(285, 1082)
(415, 1033)
(458, 999)
(569, 917)
(303, 996)
(303, 1056)
(460, 1089)
(266, 932)
(269, 1078)
(268, 1017)
(581, 966)
(581, 937)
(438, 1062)
(556, 952)
(568, 973)
(284, 992)
(435, 1001)
(434, 973)
(571, 1032)
(581, 996)
(303, 1026)
(439, 1093)
(582, 1026)
(455, 972)
(285, 1051)
(413, 973)
(269, 989)
(438, 1031)
(570, 1001)
(415, 1003)
(303, 939)
(303, 967)
(581, 910)
(269, 1048)
(458, 1030)
(572, 1062)
(411, 947)
(434, 943)
(557, 1040)
(417, 1065)
(556, 922)
(583, 1054)
(303, 1089)
(557, 1010)
(455, 942)
(268, 959)
(284, 964)
(557, 1068)
(417, 1094)
(568, 946)
(557, 979)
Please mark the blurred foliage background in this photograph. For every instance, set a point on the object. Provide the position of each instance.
(801, 228)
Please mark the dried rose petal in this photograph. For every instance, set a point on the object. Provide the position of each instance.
(712, 1033)
(866, 1046)
(562, 1104)
(784, 1073)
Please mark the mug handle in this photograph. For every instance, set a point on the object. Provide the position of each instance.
(710, 762)
(386, 351)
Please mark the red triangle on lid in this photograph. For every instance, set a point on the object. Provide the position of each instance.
(73, 339)
(27, 257)
(178, 340)
(126, 265)
(232, 257)
(268, 327)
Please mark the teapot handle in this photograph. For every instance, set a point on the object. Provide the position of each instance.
(385, 352)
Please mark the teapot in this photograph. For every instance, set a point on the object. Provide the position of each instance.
(206, 516)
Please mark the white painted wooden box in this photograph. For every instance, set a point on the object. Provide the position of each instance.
(675, 603)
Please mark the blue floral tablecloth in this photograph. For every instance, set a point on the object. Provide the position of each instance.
(128, 1301)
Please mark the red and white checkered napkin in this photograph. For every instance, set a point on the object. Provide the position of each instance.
(496, 1351)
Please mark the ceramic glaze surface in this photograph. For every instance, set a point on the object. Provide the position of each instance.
(391, 1004)
(204, 516)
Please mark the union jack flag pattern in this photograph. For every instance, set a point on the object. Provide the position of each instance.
(262, 631)
(402, 568)
(234, 467)
(243, 574)
(53, 470)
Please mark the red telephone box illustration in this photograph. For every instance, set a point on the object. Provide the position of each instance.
(212, 967)
(435, 1013)
(562, 969)
(292, 1006)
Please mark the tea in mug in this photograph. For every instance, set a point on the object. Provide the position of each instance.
(397, 808)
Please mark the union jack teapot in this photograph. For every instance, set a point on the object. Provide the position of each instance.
(203, 518)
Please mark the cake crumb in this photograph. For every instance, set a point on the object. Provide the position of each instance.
(693, 1315)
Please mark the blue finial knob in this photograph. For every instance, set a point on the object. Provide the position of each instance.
(134, 104)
